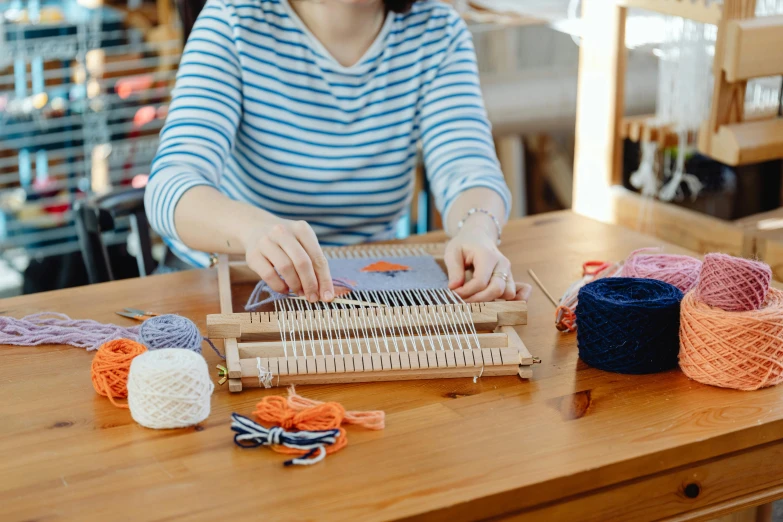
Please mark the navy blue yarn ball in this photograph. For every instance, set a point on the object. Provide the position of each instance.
(629, 325)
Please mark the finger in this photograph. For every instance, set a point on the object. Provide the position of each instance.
(482, 271)
(494, 290)
(261, 266)
(455, 266)
(282, 263)
(309, 241)
(511, 289)
(302, 264)
(524, 291)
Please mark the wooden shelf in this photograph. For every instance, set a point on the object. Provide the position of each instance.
(747, 142)
(698, 11)
(754, 48)
(645, 128)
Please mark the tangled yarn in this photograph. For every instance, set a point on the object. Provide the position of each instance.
(680, 271)
(274, 411)
(254, 301)
(740, 350)
(172, 331)
(55, 328)
(628, 325)
(372, 420)
(733, 283)
(169, 388)
(307, 428)
(312, 443)
(110, 368)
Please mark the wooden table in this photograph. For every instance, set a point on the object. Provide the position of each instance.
(572, 444)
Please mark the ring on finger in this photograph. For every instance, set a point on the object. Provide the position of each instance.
(501, 275)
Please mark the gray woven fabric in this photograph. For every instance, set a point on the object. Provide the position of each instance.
(424, 274)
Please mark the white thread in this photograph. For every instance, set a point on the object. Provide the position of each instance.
(477, 377)
(264, 376)
(169, 388)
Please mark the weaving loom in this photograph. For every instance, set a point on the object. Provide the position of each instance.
(372, 334)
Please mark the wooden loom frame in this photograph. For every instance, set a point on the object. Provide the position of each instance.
(746, 47)
(502, 352)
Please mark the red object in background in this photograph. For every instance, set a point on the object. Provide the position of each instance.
(144, 116)
(139, 180)
(127, 86)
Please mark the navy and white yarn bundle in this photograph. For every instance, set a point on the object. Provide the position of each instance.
(252, 435)
(629, 325)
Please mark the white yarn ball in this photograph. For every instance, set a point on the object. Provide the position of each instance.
(169, 388)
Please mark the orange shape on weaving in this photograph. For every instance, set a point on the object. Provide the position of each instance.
(385, 266)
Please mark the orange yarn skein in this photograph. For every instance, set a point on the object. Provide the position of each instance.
(110, 368)
(740, 350)
(372, 420)
(274, 411)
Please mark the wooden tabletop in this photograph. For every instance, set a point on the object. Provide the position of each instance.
(573, 443)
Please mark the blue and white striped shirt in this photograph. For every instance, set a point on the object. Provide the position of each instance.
(262, 112)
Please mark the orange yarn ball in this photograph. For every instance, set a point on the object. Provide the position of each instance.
(110, 368)
(740, 350)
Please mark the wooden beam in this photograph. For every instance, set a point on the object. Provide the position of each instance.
(600, 102)
(680, 226)
(754, 48)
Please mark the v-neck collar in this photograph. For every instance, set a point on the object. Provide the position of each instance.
(323, 52)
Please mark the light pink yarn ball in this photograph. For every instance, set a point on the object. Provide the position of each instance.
(677, 270)
(732, 283)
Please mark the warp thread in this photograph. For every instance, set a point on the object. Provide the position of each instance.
(732, 283)
(56, 328)
(739, 350)
(311, 444)
(680, 271)
(628, 325)
(310, 418)
(255, 301)
(169, 388)
(173, 331)
(110, 368)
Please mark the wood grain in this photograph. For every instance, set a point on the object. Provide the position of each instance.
(452, 449)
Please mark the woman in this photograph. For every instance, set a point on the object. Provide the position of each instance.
(295, 124)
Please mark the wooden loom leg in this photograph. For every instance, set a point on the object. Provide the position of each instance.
(232, 358)
(512, 162)
(514, 341)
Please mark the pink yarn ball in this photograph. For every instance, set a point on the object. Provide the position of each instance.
(732, 283)
(677, 270)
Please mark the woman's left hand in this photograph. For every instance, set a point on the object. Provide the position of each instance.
(492, 277)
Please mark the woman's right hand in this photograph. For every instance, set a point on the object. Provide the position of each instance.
(290, 249)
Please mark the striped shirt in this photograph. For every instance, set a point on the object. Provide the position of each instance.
(262, 112)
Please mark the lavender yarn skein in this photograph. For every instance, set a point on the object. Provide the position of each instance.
(170, 331)
(56, 328)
